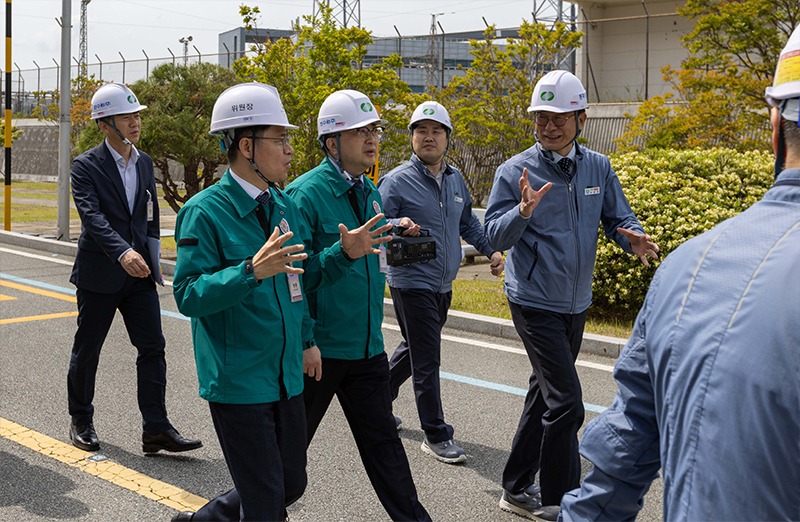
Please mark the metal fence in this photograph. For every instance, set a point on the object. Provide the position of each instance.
(31, 88)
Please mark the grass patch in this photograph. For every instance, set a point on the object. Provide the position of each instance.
(487, 298)
(22, 213)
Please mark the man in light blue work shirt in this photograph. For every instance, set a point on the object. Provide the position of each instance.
(710, 379)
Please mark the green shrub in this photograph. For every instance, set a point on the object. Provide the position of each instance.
(676, 195)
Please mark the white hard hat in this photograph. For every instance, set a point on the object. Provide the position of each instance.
(430, 110)
(786, 85)
(112, 99)
(345, 110)
(558, 91)
(247, 105)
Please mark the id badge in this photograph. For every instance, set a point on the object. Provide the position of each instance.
(384, 265)
(294, 287)
(149, 207)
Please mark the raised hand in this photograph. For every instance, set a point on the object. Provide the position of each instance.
(274, 258)
(362, 240)
(530, 198)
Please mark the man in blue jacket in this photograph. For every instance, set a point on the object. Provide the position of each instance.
(425, 192)
(117, 268)
(709, 382)
(551, 236)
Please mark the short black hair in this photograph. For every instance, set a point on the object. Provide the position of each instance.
(238, 134)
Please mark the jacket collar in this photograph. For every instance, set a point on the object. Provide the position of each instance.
(241, 200)
(423, 169)
(337, 183)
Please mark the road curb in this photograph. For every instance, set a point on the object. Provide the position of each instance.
(474, 323)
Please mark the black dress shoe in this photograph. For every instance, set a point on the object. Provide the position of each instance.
(84, 437)
(183, 516)
(169, 440)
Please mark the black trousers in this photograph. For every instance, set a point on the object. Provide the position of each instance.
(547, 436)
(421, 315)
(140, 309)
(362, 388)
(264, 448)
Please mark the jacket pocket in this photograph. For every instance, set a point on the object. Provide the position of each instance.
(535, 259)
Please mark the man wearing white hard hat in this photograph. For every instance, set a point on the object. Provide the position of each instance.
(432, 193)
(117, 268)
(332, 197)
(544, 208)
(710, 378)
(240, 275)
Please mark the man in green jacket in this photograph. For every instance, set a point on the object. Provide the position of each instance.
(348, 313)
(238, 242)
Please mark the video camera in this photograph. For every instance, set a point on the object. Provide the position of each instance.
(404, 250)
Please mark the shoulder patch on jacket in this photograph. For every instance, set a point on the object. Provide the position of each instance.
(188, 241)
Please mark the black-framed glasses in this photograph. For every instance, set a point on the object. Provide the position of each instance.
(559, 120)
(283, 140)
(365, 133)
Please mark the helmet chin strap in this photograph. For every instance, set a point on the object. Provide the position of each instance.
(110, 122)
(255, 167)
(780, 154)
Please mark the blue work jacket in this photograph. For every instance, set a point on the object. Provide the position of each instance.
(551, 255)
(446, 213)
(709, 382)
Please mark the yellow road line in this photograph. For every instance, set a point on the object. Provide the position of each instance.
(37, 317)
(39, 291)
(6, 297)
(107, 470)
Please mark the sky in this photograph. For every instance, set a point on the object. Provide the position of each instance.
(154, 26)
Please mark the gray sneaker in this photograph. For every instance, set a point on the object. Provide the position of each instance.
(447, 451)
(398, 422)
(534, 491)
(527, 506)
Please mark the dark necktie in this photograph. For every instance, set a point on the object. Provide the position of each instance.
(264, 197)
(565, 164)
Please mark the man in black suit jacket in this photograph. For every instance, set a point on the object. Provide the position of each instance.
(115, 192)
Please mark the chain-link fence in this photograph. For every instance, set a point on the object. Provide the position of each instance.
(31, 88)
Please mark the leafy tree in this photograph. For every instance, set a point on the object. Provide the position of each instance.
(175, 125)
(718, 97)
(488, 104)
(325, 58)
(81, 91)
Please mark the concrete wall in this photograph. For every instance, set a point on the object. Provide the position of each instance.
(614, 63)
(34, 155)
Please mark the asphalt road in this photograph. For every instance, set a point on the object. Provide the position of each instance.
(484, 380)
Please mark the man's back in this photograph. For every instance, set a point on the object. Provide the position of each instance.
(725, 354)
(710, 379)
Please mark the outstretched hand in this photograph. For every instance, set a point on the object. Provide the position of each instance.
(274, 258)
(362, 240)
(641, 244)
(530, 198)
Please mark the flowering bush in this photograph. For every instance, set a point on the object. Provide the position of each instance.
(676, 194)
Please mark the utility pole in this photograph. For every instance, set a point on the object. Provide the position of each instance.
(346, 12)
(431, 78)
(84, 45)
(64, 124)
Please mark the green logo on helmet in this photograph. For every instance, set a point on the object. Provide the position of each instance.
(428, 111)
(547, 96)
(366, 107)
(131, 98)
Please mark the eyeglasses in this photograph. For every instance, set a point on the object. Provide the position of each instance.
(558, 120)
(365, 133)
(283, 140)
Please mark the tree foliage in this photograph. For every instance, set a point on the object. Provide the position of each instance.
(488, 104)
(718, 97)
(175, 125)
(82, 89)
(325, 58)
